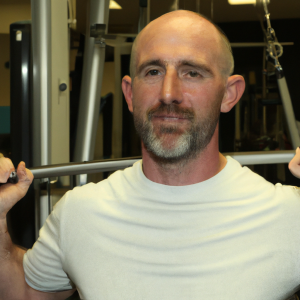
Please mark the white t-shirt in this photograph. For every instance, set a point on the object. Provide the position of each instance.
(233, 236)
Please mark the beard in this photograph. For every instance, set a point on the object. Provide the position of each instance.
(169, 143)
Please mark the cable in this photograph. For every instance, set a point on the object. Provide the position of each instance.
(274, 48)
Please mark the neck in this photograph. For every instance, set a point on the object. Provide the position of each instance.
(200, 168)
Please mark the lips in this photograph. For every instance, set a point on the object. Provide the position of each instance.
(165, 116)
(169, 118)
(171, 112)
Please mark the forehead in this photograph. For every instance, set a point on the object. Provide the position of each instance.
(179, 39)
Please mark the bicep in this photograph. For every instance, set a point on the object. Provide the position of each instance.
(38, 295)
(44, 264)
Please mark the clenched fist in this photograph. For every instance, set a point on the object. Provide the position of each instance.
(10, 193)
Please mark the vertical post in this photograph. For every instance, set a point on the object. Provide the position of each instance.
(237, 127)
(144, 14)
(60, 106)
(41, 53)
(50, 52)
(289, 112)
(41, 60)
(117, 129)
(90, 93)
(264, 93)
(148, 11)
(21, 126)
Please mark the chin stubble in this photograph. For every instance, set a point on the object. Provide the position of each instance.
(184, 146)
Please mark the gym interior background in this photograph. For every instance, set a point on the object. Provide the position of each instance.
(256, 124)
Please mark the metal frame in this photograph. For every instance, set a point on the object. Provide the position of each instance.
(258, 44)
(244, 158)
(41, 55)
(50, 56)
(289, 112)
(90, 94)
(284, 94)
(274, 53)
(83, 167)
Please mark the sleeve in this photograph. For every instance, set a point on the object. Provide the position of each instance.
(43, 264)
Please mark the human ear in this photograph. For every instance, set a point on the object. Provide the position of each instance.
(234, 91)
(127, 90)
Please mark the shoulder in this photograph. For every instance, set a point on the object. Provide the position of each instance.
(245, 181)
(242, 177)
(105, 190)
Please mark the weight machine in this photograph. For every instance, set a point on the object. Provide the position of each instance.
(274, 51)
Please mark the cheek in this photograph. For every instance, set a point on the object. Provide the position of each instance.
(200, 93)
(144, 97)
(141, 90)
(204, 96)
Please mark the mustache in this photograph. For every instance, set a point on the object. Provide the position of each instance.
(172, 109)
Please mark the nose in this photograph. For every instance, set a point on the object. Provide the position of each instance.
(171, 91)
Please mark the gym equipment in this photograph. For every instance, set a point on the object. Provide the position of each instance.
(274, 51)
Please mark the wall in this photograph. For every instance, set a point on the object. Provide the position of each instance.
(8, 14)
(4, 72)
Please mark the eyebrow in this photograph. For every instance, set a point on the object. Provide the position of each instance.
(198, 66)
(151, 62)
(160, 63)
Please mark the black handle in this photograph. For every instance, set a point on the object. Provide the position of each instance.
(13, 178)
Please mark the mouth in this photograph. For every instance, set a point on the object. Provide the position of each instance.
(170, 114)
(169, 117)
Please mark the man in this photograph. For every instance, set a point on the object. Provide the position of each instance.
(183, 223)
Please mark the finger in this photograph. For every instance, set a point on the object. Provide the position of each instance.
(294, 164)
(6, 167)
(296, 159)
(25, 175)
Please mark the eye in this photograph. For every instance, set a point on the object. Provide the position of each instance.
(153, 72)
(194, 74)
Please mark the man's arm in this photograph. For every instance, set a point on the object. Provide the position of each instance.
(12, 280)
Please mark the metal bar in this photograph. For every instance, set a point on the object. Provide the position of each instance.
(91, 84)
(262, 157)
(60, 115)
(148, 11)
(143, 15)
(82, 168)
(244, 158)
(289, 112)
(264, 92)
(41, 41)
(241, 45)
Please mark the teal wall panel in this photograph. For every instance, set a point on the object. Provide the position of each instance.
(4, 119)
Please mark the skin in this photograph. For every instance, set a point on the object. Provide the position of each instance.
(294, 164)
(12, 280)
(171, 42)
(178, 61)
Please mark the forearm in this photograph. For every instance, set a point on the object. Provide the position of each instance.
(12, 280)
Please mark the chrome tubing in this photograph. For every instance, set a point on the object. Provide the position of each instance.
(41, 56)
(262, 157)
(289, 112)
(244, 158)
(90, 94)
(82, 168)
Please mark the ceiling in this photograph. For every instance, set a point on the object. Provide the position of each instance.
(126, 19)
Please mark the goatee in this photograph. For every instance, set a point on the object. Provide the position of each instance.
(182, 144)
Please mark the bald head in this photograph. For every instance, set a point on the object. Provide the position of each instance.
(191, 22)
